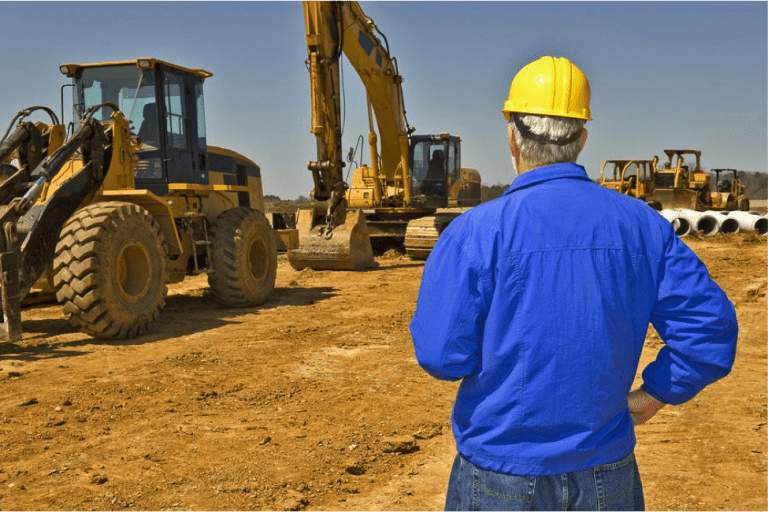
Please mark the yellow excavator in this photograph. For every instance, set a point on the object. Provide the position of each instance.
(132, 200)
(410, 177)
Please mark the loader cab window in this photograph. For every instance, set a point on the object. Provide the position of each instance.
(133, 91)
(201, 142)
(128, 87)
(175, 119)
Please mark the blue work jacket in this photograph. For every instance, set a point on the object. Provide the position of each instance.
(540, 301)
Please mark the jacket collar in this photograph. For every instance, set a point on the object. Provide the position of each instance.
(546, 173)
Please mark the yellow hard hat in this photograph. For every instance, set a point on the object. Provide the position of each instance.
(551, 86)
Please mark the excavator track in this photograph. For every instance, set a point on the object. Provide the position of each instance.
(421, 234)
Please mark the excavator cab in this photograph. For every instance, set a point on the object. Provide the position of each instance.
(435, 166)
(164, 104)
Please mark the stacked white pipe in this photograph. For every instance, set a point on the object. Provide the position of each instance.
(751, 221)
(680, 223)
(702, 223)
(728, 225)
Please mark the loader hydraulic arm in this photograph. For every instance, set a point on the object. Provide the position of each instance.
(333, 28)
(30, 230)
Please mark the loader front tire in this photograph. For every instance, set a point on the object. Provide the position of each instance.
(109, 271)
(243, 258)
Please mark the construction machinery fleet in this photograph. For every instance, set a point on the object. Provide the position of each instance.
(677, 184)
(132, 200)
(681, 191)
(410, 177)
(681, 184)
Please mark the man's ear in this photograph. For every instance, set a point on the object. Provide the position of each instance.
(583, 137)
(513, 145)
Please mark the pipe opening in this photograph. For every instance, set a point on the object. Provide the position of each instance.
(729, 226)
(761, 226)
(681, 226)
(707, 225)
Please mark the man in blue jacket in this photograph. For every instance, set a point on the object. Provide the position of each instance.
(540, 301)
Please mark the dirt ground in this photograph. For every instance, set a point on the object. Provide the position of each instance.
(315, 401)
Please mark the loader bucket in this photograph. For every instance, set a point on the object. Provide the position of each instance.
(347, 248)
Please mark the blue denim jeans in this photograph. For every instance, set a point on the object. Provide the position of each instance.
(613, 486)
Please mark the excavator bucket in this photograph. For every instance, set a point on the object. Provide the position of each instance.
(346, 247)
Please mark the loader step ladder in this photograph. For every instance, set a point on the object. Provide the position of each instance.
(196, 219)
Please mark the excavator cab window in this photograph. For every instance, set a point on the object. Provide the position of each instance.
(435, 163)
(429, 168)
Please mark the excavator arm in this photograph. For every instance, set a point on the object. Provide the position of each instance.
(330, 237)
(333, 29)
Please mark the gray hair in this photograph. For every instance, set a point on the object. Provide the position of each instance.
(538, 153)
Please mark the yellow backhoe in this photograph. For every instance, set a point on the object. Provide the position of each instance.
(410, 177)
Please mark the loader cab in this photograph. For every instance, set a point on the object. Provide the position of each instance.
(436, 164)
(165, 106)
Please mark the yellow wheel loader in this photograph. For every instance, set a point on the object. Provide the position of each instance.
(410, 178)
(133, 200)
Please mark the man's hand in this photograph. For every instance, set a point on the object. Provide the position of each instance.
(642, 406)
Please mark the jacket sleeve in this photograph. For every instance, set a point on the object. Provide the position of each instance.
(450, 313)
(698, 324)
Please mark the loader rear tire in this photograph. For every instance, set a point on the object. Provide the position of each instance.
(243, 258)
(109, 270)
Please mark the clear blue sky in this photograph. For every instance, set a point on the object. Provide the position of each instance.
(680, 74)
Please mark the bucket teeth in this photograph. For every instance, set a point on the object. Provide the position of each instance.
(347, 248)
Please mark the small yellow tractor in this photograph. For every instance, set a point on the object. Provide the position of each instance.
(634, 178)
(730, 193)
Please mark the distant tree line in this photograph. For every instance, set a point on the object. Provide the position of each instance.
(492, 192)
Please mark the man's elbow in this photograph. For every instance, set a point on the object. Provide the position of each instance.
(442, 368)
